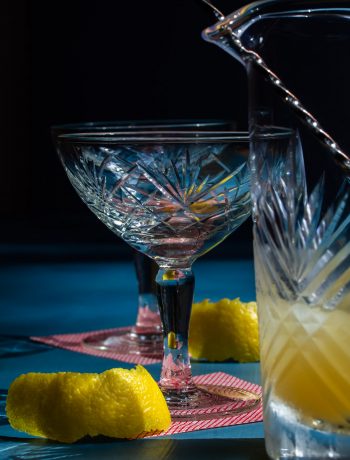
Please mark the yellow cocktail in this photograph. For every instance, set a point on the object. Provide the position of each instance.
(305, 360)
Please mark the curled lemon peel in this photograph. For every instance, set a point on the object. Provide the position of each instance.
(67, 406)
(227, 329)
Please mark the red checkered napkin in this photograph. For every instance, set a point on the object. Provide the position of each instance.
(74, 342)
(218, 378)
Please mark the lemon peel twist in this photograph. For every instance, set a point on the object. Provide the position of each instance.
(227, 329)
(67, 406)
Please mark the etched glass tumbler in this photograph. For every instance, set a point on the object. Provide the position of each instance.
(173, 196)
(296, 53)
(302, 262)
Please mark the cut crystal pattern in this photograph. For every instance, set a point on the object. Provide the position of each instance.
(172, 201)
(302, 263)
(302, 247)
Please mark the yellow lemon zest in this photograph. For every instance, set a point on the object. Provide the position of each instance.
(227, 329)
(67, 406)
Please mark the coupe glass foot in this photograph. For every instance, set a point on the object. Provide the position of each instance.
(210, 401)
(127, 342)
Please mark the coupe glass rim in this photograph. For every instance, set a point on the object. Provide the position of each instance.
(164, 136)
(126, 124)
(161, 136)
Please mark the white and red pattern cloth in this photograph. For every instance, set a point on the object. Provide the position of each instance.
(73, 342)
(217, 378)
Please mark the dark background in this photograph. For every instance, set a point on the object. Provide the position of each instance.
(71, 61)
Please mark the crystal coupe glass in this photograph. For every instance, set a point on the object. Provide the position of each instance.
(172, 195)
(145, 337)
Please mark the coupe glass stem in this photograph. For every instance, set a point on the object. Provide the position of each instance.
(148, 319)
(175, 289)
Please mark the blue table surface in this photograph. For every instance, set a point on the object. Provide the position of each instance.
(47, 298)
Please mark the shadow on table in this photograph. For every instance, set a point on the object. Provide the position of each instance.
(19, 345)
(145, 449)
